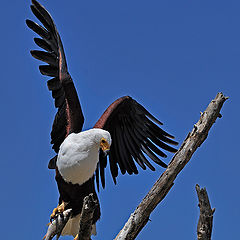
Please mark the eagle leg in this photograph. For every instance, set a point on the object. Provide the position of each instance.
(58, 209)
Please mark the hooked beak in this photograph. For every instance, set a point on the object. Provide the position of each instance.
(104, 145)
(106, 152)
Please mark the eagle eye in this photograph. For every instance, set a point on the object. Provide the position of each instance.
(103, 141)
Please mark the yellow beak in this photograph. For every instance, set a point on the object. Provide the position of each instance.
(104, 145)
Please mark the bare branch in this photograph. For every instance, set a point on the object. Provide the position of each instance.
(85, 230)
(57, 225)
(140, 217)
(89, 206)
(205, 222)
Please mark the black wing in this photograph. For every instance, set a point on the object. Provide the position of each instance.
(69, 117)
(135, 133)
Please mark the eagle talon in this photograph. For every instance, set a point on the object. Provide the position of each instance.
(59, 209)
(76, 237)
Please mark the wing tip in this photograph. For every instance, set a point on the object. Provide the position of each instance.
(175, 143)
(163, 164)
(37, 4)
(173, 150)
(28, 22)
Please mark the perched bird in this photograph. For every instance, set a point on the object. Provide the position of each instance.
(124, 135)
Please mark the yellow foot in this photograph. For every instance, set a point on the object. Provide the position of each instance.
(76, 238)
(58, 209)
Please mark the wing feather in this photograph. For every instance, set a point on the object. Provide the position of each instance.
(130, 165)
(103, 164)
(69, 117)
(138, 150)
(136, 135)
(38, 29)
(44, 44)
(133, 149)
(97, 176)
(46, 57)
(113, 166)
(122, 152)
(155, 149)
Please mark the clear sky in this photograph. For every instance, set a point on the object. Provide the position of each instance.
(171, 56)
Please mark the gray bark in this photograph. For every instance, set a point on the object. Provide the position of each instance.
(89, 205)
(205, 222)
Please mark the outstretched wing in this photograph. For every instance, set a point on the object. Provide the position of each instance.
(135, 134)
(69, 117)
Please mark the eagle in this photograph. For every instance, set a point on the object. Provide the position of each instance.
(124, 135)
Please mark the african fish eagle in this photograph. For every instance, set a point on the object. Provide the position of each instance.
(125, 134)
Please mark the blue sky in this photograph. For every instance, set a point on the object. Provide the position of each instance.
(172, 57)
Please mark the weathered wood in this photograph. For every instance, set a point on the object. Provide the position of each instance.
(57, 225)
(89, 206)
(205, 222)
(195, 138)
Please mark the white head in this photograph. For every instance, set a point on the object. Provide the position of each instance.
(79, 154)
(102, 138)
(92, 138)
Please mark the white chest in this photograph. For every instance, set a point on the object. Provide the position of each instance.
(77, 162)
